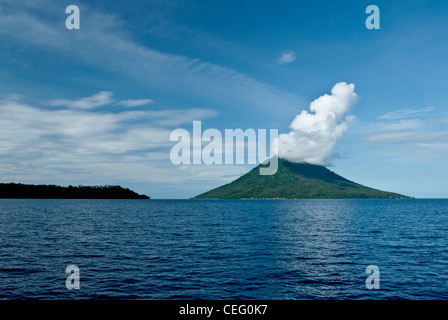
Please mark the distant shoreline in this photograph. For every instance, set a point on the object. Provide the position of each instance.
(31, 191)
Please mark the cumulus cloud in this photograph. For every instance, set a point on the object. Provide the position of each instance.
(314, 134)
(102, 98)
(287, 57)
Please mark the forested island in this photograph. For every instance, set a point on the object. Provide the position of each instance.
(296, 181)
(29, 191)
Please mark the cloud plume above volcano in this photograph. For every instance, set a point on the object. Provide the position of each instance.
(315, 133)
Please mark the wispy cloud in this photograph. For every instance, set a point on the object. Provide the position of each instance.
(97, 100)
(407, 136)
(410, 126)
(406, 113)
(135, 102)
(111, 49)
(287, 57)
(181, 116)
(42, 142)
(25, 127)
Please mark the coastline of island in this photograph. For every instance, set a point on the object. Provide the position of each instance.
(30, 191)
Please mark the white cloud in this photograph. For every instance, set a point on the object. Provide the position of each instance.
(314, 135)
(406, 136)
(24, 127)
(287, 57)
(135, 102)
(102, 98)
(411, 126)
(77, 144)
(183, 116)
(406, 124)
(406, 113)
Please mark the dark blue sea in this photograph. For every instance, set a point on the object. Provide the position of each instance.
(224, 249)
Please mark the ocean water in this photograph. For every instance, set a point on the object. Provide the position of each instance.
(224, 249)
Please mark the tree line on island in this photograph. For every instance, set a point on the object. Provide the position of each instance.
(23, 191)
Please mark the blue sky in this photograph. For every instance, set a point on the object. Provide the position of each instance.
(97, 105)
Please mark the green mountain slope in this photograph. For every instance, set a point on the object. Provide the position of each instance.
(295, 181)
